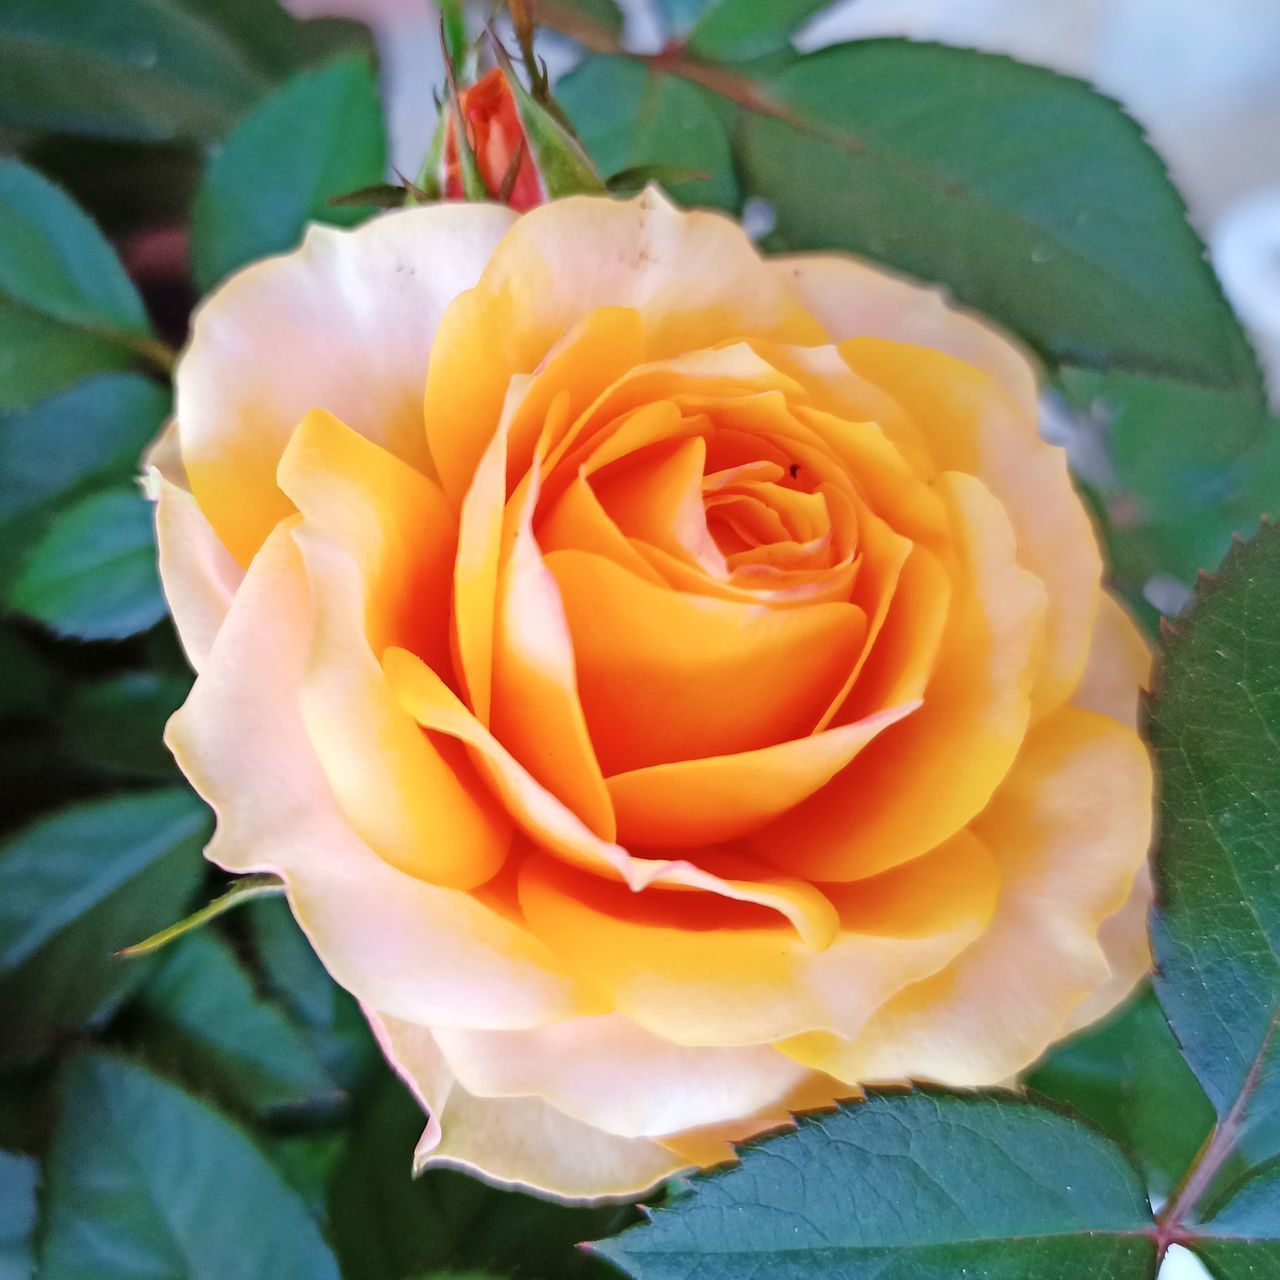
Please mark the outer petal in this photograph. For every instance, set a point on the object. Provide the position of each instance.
(343, 324)
(521, 1142)
(926, 778)
(428, 954)
(200, 577)
(571, 257)
(1119, 666)
(377, 542)
(1070, 828)
(853, 299)
(612, 1074)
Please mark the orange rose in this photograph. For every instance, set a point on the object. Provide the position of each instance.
(674, 685)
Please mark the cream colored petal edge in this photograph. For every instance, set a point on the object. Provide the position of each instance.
(344, 323)
(199, 576)
(853, 299)
(612, 1074)
(515, 1142)
(422, 952)
(1070, 829)
(1118, 668)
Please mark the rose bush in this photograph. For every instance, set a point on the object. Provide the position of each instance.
(675, 686)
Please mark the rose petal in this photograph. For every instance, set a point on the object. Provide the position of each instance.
(728, 976)
(377, 542)
(612, 1074)
(519, 1142)
(923, 780)
(200, 577)
(740, 677)
(565, 260)
(344, 324)
(1119, 666)
(428, 954)
(973, 426)
(1070, 829)
(853, 299)
(694, 802)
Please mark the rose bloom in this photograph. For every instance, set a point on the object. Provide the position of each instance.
(674, 685)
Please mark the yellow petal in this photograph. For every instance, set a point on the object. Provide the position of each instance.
(377, 542)
(344, 324)
(922, 780)
(392, 939)
(694, 279)
(1070, 829)
(515, 1142)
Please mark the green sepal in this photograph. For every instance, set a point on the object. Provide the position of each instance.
(561, 163)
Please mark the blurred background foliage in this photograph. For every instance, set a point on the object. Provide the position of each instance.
(219, 1108)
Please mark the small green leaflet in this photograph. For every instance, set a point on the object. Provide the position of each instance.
(920, 1184)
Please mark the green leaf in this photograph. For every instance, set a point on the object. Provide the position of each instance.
(1214, 723)
(74, 888)
(115, 725)
(1241, 1240)
(1032, 197)
(204, 1015)
(320, 136)
(18, 1177)
(152, 70)
(923, 1184)
(1127, 1075)
(739, 30)
(144, 1181)
(629, 115)
(92, 433)
(67, 309)
(1175, 470)
(93, 575)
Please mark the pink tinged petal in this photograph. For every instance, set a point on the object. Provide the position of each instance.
(612, 1074)
(428, 954)
(343, 324)
(515, 1142)
(853, 299)
(200, 577)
